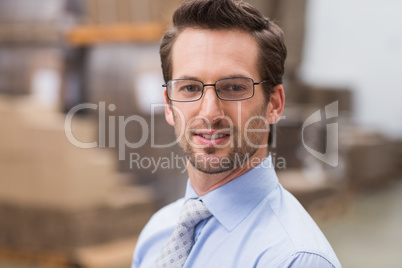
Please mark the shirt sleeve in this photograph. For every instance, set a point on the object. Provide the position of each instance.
(306, 259)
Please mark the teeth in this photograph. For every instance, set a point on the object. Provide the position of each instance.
(215, 136)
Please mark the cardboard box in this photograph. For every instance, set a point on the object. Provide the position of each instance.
(370, 160)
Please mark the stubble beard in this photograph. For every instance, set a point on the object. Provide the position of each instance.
(237, 155)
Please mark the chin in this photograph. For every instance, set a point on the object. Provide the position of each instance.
(211, 163)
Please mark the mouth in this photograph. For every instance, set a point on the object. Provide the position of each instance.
(215, 136)
(211, 137)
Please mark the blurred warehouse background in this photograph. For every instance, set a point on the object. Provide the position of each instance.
(80, 124)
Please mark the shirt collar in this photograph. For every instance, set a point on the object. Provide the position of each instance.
(233, 202)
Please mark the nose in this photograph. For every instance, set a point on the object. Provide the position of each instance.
(211, 105)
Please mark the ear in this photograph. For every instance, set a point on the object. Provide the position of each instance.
(276, 104)
(168, 111)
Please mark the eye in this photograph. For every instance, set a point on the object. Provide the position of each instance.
(233, 87)
(237, 87)
(190, 88)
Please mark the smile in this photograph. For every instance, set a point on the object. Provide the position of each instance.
(213, 136)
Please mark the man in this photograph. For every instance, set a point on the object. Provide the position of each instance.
(223, 64)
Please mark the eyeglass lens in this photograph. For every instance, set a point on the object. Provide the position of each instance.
(227, 89)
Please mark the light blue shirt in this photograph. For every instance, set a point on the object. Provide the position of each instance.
(255, 223)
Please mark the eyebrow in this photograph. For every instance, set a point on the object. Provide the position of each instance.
(196, 78)
(189, 77)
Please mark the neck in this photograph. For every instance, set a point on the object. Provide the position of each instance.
(204, 183)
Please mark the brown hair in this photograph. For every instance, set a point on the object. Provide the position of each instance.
(229, 14)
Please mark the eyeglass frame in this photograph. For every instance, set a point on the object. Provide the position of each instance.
(214, 85)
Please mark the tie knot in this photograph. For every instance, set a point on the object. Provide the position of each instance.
(193, 212)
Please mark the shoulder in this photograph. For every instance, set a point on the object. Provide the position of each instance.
(304, 259)
(301, 240)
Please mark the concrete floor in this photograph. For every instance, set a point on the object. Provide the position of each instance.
(369, 233)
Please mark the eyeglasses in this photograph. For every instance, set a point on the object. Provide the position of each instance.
(229, 89)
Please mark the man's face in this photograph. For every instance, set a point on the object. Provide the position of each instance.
(218, 135)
